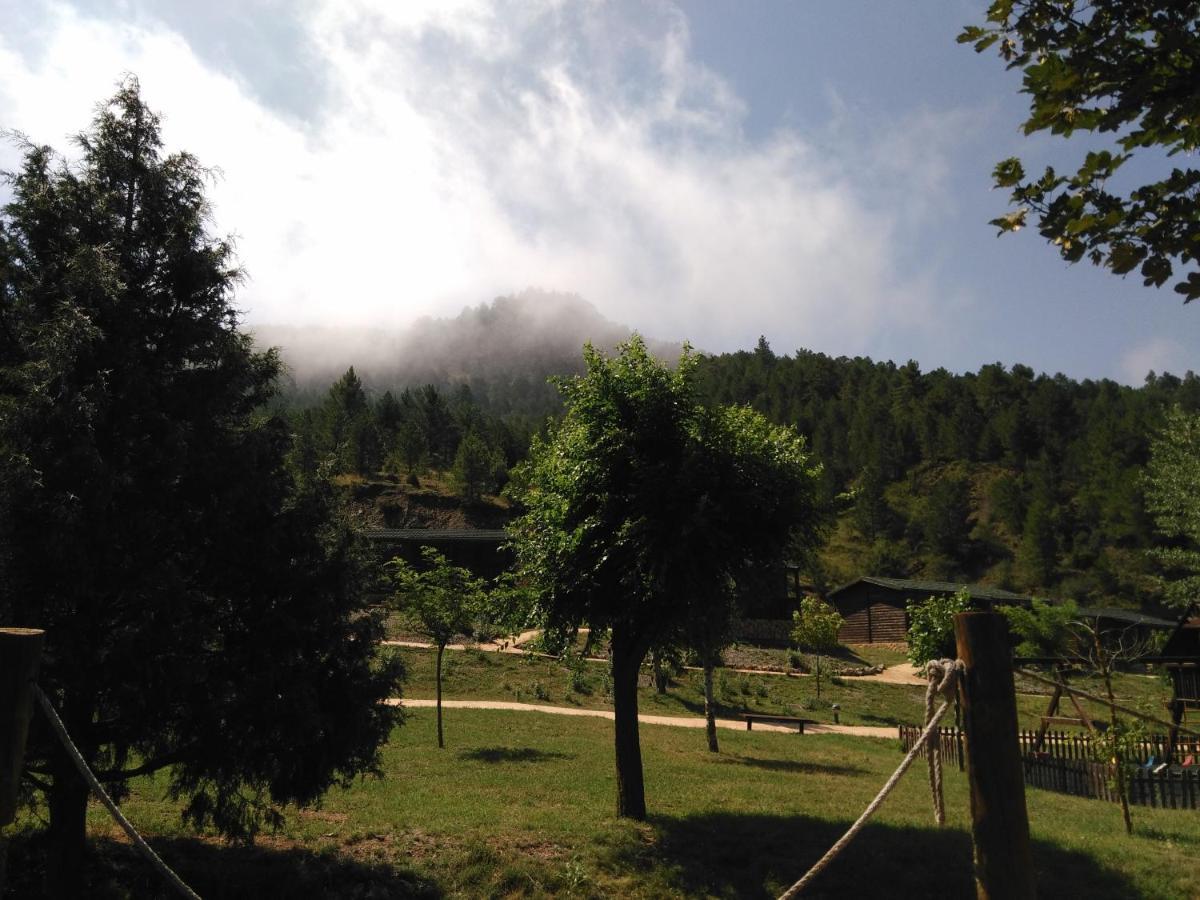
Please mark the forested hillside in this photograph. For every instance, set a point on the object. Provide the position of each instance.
(1026, 481)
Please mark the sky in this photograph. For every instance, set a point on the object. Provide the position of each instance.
(817, 173)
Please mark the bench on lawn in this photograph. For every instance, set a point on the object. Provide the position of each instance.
(799, 724)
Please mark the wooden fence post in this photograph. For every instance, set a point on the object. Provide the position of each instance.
(20, 653)
(999, 821)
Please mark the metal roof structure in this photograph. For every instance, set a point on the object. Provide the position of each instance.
(937, 587)
(999, 595)
(438, 535)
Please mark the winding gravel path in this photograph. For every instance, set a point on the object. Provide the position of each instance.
(675, 721)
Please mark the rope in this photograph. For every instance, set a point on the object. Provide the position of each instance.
(942, 675)
(1101, 700)
(155, 860)
(943, 678)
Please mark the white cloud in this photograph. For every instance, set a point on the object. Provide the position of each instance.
(1155, 354)
(469, 150)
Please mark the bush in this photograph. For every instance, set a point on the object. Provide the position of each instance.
(931, 626)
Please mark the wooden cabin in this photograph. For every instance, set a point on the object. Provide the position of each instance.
(480, 550)
(875, 609)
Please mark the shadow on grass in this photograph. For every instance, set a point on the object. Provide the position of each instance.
(512, 754)
(220, 872)
(760, 856)
(790, 765)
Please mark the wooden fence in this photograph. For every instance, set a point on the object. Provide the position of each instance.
(1058, 744)
(1066, 764)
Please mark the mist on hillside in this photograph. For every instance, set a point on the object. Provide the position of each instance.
(518, 339)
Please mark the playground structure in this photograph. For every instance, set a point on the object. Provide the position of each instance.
(1181, 658)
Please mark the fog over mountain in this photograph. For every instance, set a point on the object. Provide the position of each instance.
(513, 342)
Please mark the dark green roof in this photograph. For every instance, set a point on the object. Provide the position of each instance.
(438, 535)
(1131, 616)
(979, 591)
(982, 592)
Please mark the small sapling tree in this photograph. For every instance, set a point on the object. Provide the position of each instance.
(1104, 652)
(439, 601)
(815, 628)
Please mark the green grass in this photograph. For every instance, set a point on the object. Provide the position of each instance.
(521, 805)
(492, 676)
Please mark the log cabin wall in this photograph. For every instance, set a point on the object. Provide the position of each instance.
(872, 615)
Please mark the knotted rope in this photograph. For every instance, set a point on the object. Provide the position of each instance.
(943, 677)
(81, 764)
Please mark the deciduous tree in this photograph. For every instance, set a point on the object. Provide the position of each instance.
(1173, 499)
(641, 506)
(439, 601)
(1126, 70)
(815, 627)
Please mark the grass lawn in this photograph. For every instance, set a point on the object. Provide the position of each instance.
(493, 676)
(521, 805)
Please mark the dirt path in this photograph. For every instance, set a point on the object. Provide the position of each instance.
(901, 673)
(675, 721)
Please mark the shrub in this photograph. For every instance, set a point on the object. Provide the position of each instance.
(931, 626)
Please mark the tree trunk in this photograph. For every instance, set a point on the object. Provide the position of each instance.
(67, 799)
(818, 676)
(1118, 763)
(631, 792)
(662, 677)
(710, 706)
(441, 650)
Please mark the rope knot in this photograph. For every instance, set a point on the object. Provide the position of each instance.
(943, 676)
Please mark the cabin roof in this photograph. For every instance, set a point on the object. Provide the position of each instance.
(934, 587)
(1130, 616)
(438, 535)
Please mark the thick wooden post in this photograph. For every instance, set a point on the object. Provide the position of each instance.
(999, 821)
(20, 653)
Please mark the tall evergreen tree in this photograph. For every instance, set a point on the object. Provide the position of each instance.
(202, 608)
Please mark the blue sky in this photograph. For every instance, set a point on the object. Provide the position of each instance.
(814, 172)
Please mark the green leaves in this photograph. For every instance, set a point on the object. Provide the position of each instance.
(439, 600)
(1126, 68)
(1173, 500)
(931, 625)
(643, 504)
(815, 625)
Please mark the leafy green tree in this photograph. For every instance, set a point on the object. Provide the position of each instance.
(815, 627)
(931, 625)
(1122, 68)
(475, 468)
(1043, 629)
(203, 607)
(1173, 499)
(439, 601)
(641, 506)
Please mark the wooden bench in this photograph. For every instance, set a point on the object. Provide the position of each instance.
(799, 724)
